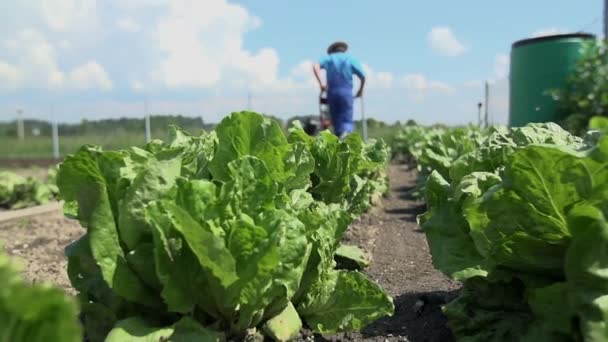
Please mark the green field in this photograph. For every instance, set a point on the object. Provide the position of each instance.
(42, 147)
(384, 132)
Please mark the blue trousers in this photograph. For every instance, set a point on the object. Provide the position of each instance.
(340, 102)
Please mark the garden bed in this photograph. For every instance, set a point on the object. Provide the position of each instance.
(400, 262)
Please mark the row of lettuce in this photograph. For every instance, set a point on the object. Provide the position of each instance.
(17, 192)
(214, 236)
(519, 216)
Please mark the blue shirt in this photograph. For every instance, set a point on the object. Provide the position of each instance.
(340, 68)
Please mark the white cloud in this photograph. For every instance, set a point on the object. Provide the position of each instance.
(128, 24)
(549, 31)
(419, 82)
(384, 79)
(65, 44)
(210, 46)
(35, 62)
(473, 84)
(445, 42)
(499, 73)
(377, 80)
(188, 56)
(302, 74)
(137, 4)
(9, 76)
(418, 87)
(61, 15)
(35, 66)
(302, 70)
(90, 75)
(137, 86)
(186, 44)
(501, 65)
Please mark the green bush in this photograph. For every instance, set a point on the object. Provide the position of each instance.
(586, 92)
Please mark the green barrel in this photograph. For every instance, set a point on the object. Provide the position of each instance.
(539, 65)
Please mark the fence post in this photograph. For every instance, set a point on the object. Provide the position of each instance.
(20, 127)
(147, 121)
(487, 92)
(605, 19)
(148, 134)
(55, 139)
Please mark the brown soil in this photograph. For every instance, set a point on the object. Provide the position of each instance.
(38, 243)
(400, 262)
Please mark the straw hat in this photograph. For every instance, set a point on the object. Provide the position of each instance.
(337, 47)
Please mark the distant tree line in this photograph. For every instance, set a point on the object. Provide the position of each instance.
(136, 125)
(105, 126)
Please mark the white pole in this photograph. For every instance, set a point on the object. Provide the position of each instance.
(147, 121)
(20, 128)
(605, 19)
(487, 91)
(55, 135)
(363, 120)
(55, 140)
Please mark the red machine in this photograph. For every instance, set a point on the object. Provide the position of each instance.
(324, 116)
(313, 124)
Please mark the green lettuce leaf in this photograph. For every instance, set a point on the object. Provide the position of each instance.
(34, 313)
(522, 223)
(586, 268)
(80, 180)
(345, 301)
(448, 233)
(186, 330)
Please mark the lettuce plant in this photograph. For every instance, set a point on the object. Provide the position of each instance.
(211, 236)
(34, 313)
(523, 224)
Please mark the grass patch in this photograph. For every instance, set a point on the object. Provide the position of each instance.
(42, 147)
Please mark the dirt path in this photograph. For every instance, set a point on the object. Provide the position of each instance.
(401, 263)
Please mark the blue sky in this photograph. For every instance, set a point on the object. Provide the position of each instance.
(425, 60)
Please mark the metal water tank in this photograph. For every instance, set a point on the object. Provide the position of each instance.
(537, 66)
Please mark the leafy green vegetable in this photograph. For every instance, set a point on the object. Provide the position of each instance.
(599, 123)
(34, 313)
(343, 300)
(220, 233)
(186, 329)
(347, 172)
(351, 258)
(18, 192)
(436, 149)
(522, 222)
(285, 326)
